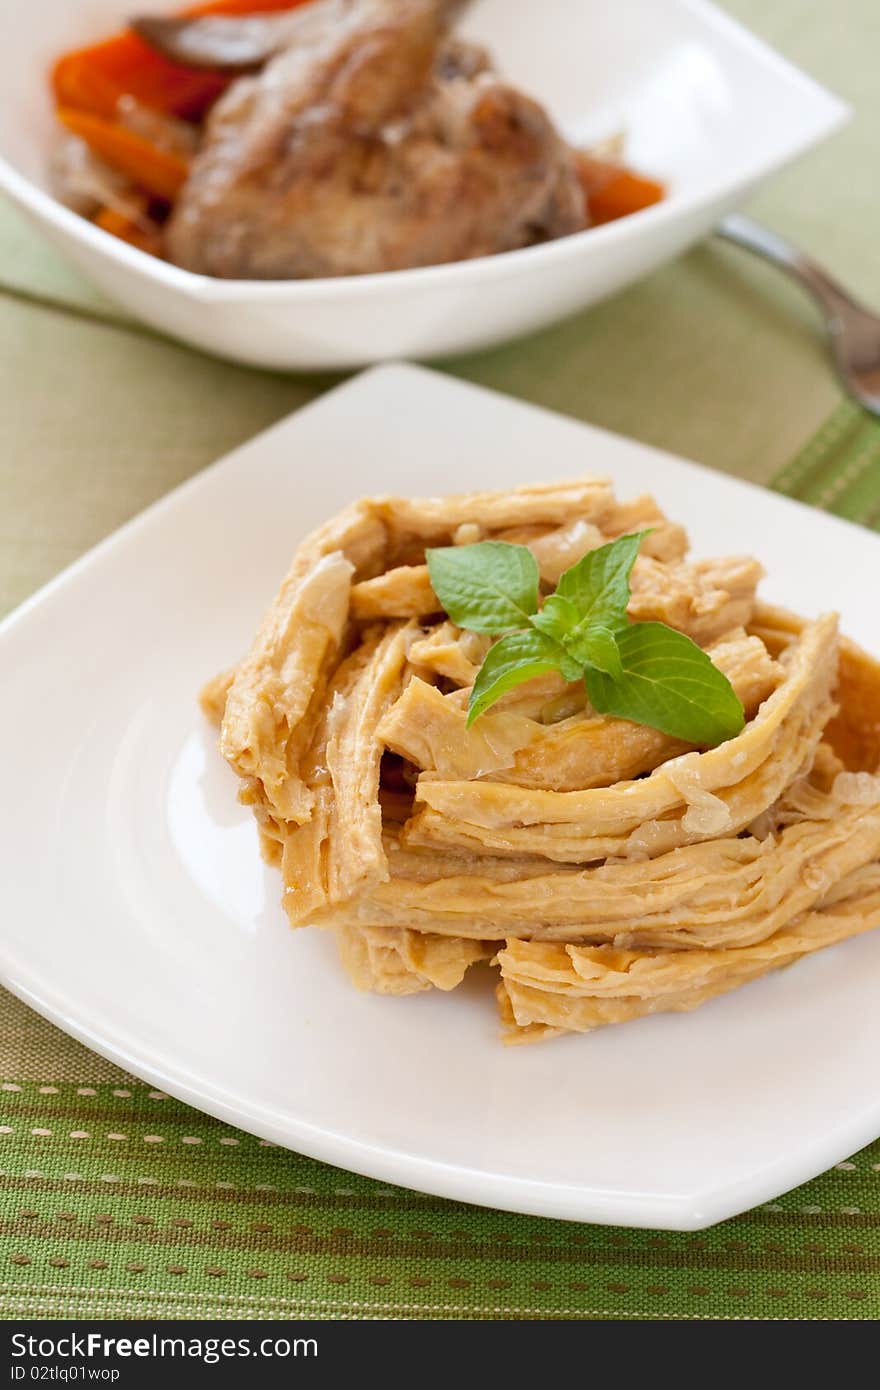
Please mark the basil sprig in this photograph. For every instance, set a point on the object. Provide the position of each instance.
(645, 672)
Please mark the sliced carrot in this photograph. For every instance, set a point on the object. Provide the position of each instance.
(84, 87)
(118, 225)
(241, 6)
(158, 172)
(94, 78)
(622, 193)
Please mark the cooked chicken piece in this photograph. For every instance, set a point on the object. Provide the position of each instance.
(371, 143)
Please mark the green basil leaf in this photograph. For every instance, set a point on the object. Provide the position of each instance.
(668, 683)
(557, 618)
(488, 587)
(569, 667)
(591, 644)
(514, 659)
(598, 585)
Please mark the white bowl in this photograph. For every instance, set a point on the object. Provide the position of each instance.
(705, 106)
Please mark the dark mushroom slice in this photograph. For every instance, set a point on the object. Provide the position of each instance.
(215, 41)
(240, 44)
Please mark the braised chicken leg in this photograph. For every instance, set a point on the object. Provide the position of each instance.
(372, 141)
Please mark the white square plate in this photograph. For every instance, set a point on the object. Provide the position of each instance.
(705, 106)
(139, 916)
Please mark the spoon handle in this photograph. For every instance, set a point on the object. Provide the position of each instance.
(833, 298)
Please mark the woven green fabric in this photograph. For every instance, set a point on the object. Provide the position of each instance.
(116, 1201)
(839, 469)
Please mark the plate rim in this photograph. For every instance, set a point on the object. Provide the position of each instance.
(457, 1183)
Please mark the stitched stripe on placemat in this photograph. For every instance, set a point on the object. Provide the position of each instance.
(839, 468)
(117, 1200)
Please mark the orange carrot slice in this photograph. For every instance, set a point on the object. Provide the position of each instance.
(158, 172)
(94, 80)
(118, 225)
(619, 194)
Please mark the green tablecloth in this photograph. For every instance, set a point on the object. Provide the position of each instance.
(118, 1201)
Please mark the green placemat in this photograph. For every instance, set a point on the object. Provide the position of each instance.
(839, 469)
(119, 1202)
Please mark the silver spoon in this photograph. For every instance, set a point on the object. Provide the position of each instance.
(854, 332)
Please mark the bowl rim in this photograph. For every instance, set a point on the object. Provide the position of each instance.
(829, 114)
